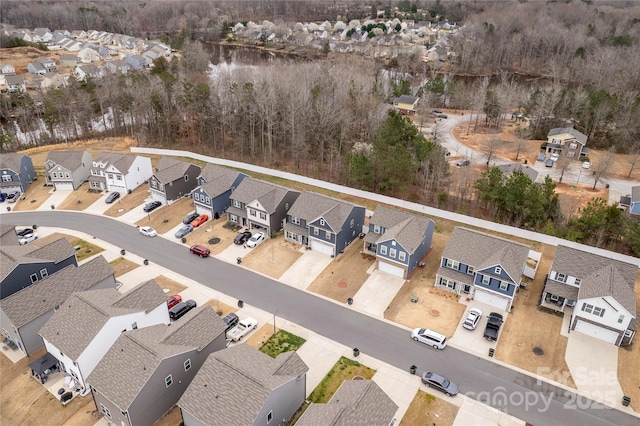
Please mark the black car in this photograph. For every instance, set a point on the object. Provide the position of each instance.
(242, 237)
(23, 232)
(151, 206)
(231, 320)
(181, 309)
(439, 382)
(189, 218)
(112, 197)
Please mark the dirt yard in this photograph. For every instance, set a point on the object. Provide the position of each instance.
(121, 266)
(211, 230)
(174, 287)
(80, 199)
(218, 306)
(35, 195)
(260, 336)
(172, 418)
(426, 409)
(167, 217)
(273, 257)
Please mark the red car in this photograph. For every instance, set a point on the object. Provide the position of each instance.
(173, 301)
(201, 251)
(199, 220)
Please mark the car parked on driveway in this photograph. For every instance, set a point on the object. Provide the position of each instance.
(199, 220)
(181, 309)
(586, 165)
(472, 319)
(231, 320)
(12, 198)
(201, 251)
(3, 197)
(148, 231)
(173, 300)
(23, 232)
(541, 156)
(28, 238)
(549, 163)
(243, 328)
(149, 207)
(461, 163)
(554, 157)
(183, 231)
(242, 237)
(439, 382)
(112, 197)
(256, 239)
(189, 218)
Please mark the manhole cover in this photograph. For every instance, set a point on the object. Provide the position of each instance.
(342, 284)
(538, 351)
(214, 240)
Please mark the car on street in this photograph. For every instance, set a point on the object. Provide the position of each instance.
(439, 382)
(148, 231)
(12, 198)
(23, 232)
(441, 115)
(199, 220)
(28, 238)
(472, 319)
(437, 111)
(549, 163)
(149, 207)
(189, 218)
(199, 250)
(554, 157)
(586, 165)
(173, 300)
(183, 231)
(461, 163)
(231, 320)
(256, 239)
(243, 328)
(429, 337)
(181, 309)
(242, 237)
(112, 197)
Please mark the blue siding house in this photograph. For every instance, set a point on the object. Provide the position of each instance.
(16, 172)
(322, 223)
(399, 240)
(487, 268)
(216, 183)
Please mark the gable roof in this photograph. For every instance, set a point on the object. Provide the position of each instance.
(44, 295)
(218, 179)
(70, 160)
(580, 137)
(356, 402)
(122, 162)
(482, 250)
(609, 282)
(509, 168)
(310, 206)
(79, 319)
(406, 99)
(406, 228)
(268, 195)
(212, 396)
(133, 358)
(12, 256)
(170, 169)
(11, 161)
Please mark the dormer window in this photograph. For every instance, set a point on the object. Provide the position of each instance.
(498, 270)
(322, 222)
(562, 278)
(578, 281)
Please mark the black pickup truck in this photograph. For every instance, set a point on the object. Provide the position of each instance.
(492, 329)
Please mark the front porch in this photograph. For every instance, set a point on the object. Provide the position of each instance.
(557, 295)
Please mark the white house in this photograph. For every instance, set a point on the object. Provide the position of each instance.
(88, 55)
(87, 324)
(119, 172)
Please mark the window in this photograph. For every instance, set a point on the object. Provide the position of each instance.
(252, 212)
(44, 273)
(168, 380)
(351, 223)
(470, 270)
(402, 256)
(67, 175)
(119, 177)
(448, 283)
(208, 200)
(263, 216)
(453, 264)
(34, 278)
(392, 253)
(196, 196)
(236, 203)
(134, 326)
(383, 250)
(578, 281)
(55, 308)
(316, 231)
(186, 178)
(498, 270)
(587, 308)
(620, 319)
(598, 311)
(110, 175)
(295, 220)
(561, 277)
(6, 178)
(322, 222)
(54, 175)
(327, 235)
(105, 410)
(573, 145)
(269, 417)
(187, 364)
(154, 184)
(504, 285)
(376, 229)
(233, 218)
(486, 279)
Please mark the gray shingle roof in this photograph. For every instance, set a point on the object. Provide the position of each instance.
(79, 319)
(133, 358)
(122, 162)
(6, 228)
(12, 256)
(406, 228)
(482, 250)
(212, 396)
(11, 161)
(268, 195)
(170, 169)
(70, 160)
(507, 169)
(218, 179)
(580, 137)
(355, 403)
(406, 99)
(310, 206)
(33, 301)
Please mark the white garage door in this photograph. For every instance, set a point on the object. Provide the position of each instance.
(158, 196)
(391, 269)
(597, 332)
(64, 186)
(491, 299)
(322, 247)
(200, 209)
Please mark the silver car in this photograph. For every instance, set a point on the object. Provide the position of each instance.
(184, 231)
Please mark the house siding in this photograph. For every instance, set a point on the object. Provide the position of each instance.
(19, 278)
(20, 179)
(494, 284)
(176, 189)
(283, 402)
(139, 172)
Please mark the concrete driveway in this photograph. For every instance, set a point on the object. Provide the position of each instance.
(137, 213)
(473, 341)
(377, 292)
(99, 206)
(302, 273)
(56, 198)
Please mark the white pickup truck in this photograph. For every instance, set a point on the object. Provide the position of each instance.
(243, 328)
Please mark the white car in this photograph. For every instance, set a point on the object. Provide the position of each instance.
(586, 165)
(243, 328)
(554, 157)
(473, 318)
(148, 231)
(28, 238)
(256, 239)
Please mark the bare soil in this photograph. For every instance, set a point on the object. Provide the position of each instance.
(260, 336)
(273, 257)
(172, 418)
(35, 195)
(212, 229)
(425, 409)
(121, 266)
(167, 217)
(173, 286)
(80, 199)
(218, 306)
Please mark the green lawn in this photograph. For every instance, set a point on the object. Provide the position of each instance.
(280, 342)
(345, 369)
(86, 249)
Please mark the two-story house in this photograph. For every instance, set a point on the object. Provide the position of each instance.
(322, 223)
(172, 179)
(67, 170)
(15, 84)
(406, 104)
(243, 386)
(147, 370)
(599, 289)
(16, 172)
(398, 239)
(568, 142)
(23, 314)
(216, 183)
(256, 204)
(119, 172)
(487, 268)
(87, 324)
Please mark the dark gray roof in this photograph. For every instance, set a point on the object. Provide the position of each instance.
(311, 206)
(79, 319)
(213, 395)
(218, 179)
(12, 256)
(482, 250)
(70, 160)
(507, 169)
(170, 169)
(134, 357)
(406, 99)
(580, 137)
(44, 295)
(267, 194)
(355, 403)
(121, 162)
(11, 161)
(406, 228)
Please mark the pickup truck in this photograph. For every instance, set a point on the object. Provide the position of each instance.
(242, 329)
(492, 329)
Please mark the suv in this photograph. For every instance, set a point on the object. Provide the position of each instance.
(242, 237)
(231, 320)
(112, 197)
(201, 251)
(181, 308)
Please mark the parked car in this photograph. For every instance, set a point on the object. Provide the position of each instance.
(148, 231)
(442, 115)
(549, 163)
(554, 157)
(149, 207)
(541, 156)
(189, 218)
(173, 300)
(242, 237)
(231, 320)
(492, 330)
(586, 165)
(437, 111)
(23, 232)
(473, 318)
(3, 197)
(181, 309)
(12, 198)
(112, 197)
(183, 231)
(429, 337)
(201, 251)
(461, 163)
(243, 328)
(28, 238)
(256, 239)
(439, 382)
(199, 220)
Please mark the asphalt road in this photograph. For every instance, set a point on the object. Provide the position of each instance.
(538, 403)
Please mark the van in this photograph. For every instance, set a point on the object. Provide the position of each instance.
(181, 308)
(429, 337)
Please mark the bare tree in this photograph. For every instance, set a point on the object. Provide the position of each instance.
(602, 167)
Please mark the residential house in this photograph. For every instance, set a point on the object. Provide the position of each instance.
(117, 67)
(631, 202)
(83, 72)
(88, 323)
(569, 140)
(260, 205)
(7, 69)
(22, 266)
(172, 179)
(486, 268)
(147, 370)
(23, 314)
(216, 183)
(406, 104)
(322, 223)
(8, 236)
(356, 402)
(17, 172)
(138, 62)
(119, 172)
(53, 80)
(36, 68)
(599, 289)
(399, 240)
(67, 170)
(509, 168)
(243, 386)
(88, 55)
(15, 84)
(78, 34)
(71, 46)
(68, 60)
(42, 35)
